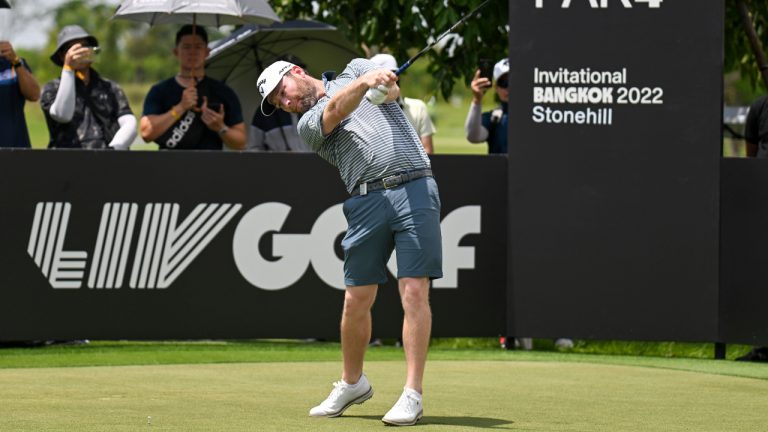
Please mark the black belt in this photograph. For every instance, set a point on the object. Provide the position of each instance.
(390, 182)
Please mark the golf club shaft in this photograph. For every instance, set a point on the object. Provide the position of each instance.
(405, 65)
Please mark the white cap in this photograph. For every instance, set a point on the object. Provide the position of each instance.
(386, 61)
(270, 78)
(500, 68)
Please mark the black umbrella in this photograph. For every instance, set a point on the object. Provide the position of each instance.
(239, 58)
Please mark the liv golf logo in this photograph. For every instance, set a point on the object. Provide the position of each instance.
(165, 246)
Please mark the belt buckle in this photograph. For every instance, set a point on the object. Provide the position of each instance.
(391, 181)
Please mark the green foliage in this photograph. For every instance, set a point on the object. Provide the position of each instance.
(131, 52)
(136, 53)
(404, 27)
(738, 52)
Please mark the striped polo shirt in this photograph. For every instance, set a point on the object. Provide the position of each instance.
(374, 141)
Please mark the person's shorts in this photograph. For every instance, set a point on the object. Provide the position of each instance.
(405, 218)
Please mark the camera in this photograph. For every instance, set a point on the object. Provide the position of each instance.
(486, 68)
(90, 57)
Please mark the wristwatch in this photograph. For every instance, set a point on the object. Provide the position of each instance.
(19, 62)
(223, 130)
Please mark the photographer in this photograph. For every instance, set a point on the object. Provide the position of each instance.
(490, 126)
(191, 111)
(82, 109)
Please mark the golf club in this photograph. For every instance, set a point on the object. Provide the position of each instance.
(377, 95)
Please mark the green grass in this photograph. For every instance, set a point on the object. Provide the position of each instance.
(38, 130)
(449, 120)
(692, 356)
(270, 385)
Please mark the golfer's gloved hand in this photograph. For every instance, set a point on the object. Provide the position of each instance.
(377, 95)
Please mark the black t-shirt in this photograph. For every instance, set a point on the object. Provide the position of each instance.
(189, 132)
(756, 129)
(98, 105)
(13, 124)
(497, 123)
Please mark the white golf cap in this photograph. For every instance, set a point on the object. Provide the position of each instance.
(269, 79)
(386, 61)
(500, 68)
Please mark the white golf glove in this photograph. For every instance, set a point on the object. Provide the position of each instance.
(377, 95)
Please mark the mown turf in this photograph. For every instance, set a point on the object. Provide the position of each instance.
(117, 353)
(460, 395)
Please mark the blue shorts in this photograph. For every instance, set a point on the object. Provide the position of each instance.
(405, 218)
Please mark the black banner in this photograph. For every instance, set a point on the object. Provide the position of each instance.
(744, 252)
(155, 245)
(614, 162)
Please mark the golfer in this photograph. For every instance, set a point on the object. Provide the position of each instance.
(394, 203)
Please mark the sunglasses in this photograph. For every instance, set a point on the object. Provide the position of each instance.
(502, 83)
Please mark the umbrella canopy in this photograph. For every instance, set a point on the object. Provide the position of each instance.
(239, 58)
(214, 13)
(6, 20)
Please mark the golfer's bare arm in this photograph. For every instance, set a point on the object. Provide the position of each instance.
(347, 99)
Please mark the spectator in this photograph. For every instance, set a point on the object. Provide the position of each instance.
(189, 110)
(756, 135)
(756, 128)
(415, 109)
(17, 85)
(277, 132)
(490, 126)
(82, 109)
(394, 205)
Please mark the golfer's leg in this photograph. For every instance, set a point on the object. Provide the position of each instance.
(417, 327)
(356, 329)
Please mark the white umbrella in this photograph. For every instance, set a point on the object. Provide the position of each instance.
(239, 58)
(6, 20)
(213, 13)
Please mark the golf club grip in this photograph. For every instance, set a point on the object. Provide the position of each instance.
(402, 68)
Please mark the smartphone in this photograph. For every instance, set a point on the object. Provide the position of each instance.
(214, 106)
(486, 68)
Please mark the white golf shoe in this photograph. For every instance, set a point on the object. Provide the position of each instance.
(342, 396)
(407, 410)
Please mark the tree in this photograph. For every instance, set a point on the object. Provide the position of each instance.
(739, 53)
(403, 27)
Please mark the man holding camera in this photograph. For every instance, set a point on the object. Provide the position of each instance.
(489, 126)
(82, 109)
(191, 111)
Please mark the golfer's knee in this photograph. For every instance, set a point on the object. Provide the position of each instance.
(358, 303)
(415, 295)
